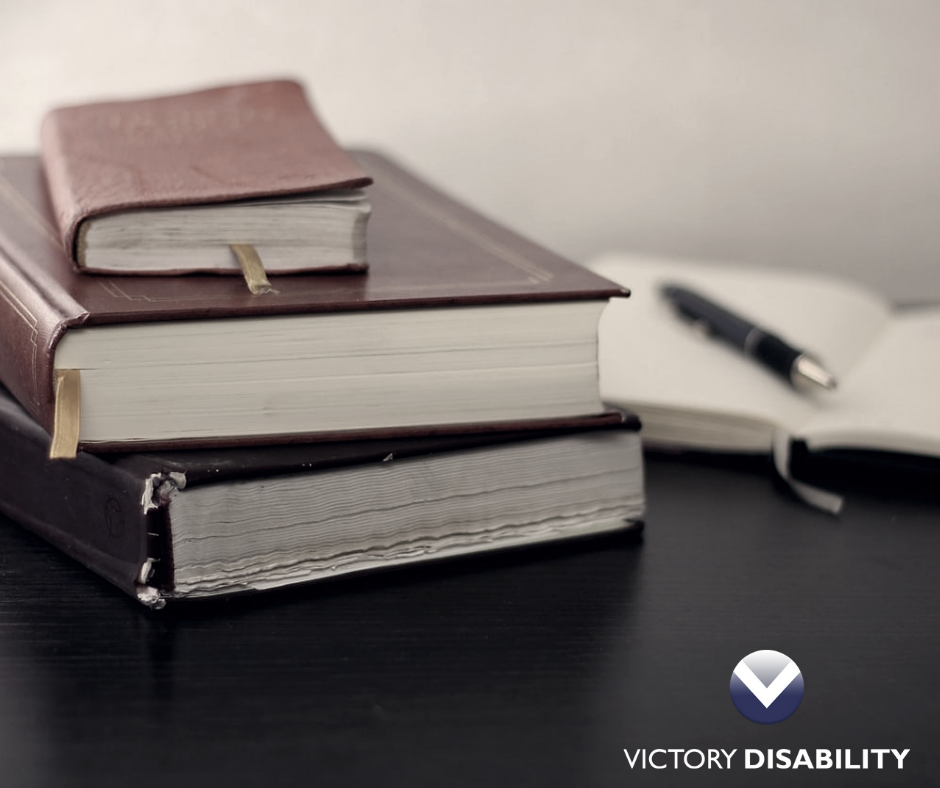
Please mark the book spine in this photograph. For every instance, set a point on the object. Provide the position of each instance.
(34, 311)
(55, 166)
(92, 511)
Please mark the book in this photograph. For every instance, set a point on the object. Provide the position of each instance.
(207, 523)
(692, 392)
(459, 322)
(168, 184)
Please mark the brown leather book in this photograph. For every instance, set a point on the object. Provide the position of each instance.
(167, 184)
(184, 525)
(460, 323)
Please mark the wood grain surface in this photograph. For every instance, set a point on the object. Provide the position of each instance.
(527, 669)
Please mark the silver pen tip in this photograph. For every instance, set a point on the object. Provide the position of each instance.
(808, 372)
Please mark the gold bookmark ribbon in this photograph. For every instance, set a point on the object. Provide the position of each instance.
(252, 269)
(68, 414)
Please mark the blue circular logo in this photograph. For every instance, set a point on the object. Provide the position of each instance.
(766, 687)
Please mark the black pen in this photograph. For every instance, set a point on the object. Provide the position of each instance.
(796, 366)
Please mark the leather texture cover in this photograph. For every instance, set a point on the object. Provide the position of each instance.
(426, 250)
(228, 143)
(88, 508)
(211, 146)
(92, 507)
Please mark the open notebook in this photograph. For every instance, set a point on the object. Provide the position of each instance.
(693, 392)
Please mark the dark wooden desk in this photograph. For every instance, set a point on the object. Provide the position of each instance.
(532, 669)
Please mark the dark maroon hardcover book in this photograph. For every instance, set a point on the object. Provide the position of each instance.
(216, 522)
(459, 321)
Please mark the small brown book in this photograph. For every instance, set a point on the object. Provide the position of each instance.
(460, 324)
(168, 185)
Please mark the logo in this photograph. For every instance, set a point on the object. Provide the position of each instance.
(766, 687)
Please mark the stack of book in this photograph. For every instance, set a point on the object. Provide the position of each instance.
(412, 382)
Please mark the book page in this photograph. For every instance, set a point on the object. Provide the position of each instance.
(889, 400)
(694, 391)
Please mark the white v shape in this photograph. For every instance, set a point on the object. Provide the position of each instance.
(767, 695)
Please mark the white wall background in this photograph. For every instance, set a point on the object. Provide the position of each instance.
(794, 132)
